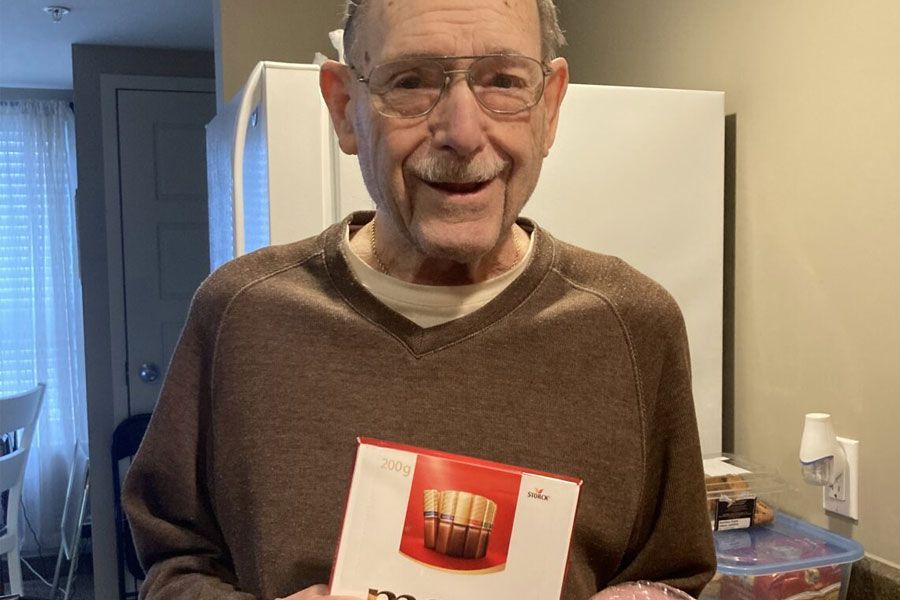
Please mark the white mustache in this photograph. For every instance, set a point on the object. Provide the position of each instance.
(440, 169)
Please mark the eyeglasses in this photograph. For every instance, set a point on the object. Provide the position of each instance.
(505, 84)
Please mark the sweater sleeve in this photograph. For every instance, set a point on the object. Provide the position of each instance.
(166, 492)
(671, 541)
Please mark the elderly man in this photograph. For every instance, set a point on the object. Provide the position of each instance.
(443, 320)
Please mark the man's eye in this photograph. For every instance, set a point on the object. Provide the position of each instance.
(407, 82)
(506, 81)
(414, 80)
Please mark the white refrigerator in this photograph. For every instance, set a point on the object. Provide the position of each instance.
(635, 172)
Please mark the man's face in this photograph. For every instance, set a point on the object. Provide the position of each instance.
(464, 220)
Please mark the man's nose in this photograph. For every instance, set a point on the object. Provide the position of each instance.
(457, 122)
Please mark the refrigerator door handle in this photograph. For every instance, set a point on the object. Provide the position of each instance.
(251, 98)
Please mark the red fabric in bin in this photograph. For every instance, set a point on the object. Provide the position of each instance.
(782, 586)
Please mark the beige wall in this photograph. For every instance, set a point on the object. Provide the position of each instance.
(815, 88)
(247, 32)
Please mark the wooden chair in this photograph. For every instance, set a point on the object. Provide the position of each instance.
(18, 420)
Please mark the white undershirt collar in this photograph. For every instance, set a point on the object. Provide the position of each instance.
(430, 305)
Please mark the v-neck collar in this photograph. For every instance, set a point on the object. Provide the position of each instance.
(418, 340)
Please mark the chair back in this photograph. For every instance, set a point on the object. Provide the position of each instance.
(125, 443)
(72, 526)
(18, 420)
(76, 502)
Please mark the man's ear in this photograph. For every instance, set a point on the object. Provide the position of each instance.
(554, 92)
(334, 81)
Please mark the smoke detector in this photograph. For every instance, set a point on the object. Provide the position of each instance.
(57, 12)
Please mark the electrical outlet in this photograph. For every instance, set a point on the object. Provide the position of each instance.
(842, 497)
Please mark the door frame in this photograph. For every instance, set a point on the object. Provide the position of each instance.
(105, 542)
(110, 85)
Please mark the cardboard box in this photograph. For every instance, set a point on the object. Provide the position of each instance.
(427, 525)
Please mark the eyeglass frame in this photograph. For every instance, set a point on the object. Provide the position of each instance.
(546, 70)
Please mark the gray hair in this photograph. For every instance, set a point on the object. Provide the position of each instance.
(552, 38)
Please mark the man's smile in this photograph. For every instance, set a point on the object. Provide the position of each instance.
(463, 188)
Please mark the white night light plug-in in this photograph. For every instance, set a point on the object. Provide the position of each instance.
(830, 461)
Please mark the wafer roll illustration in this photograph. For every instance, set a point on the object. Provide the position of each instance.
(445, 525)
(476, 520)
(485, 533)
(460, 523)
(432, 498)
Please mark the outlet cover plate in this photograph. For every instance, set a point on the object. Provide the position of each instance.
(850, 506)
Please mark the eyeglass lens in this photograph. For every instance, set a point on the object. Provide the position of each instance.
(503, 84)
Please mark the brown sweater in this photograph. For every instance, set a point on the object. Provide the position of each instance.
(580, 367)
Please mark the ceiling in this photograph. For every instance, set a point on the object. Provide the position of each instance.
(35, 52)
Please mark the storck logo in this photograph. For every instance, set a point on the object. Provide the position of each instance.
(538, 494)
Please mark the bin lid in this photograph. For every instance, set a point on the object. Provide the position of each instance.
(788, 544)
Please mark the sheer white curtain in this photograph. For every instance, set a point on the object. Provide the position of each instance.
(40, 298)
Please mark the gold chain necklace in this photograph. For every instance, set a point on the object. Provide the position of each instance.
(381, 264)
(384, 269)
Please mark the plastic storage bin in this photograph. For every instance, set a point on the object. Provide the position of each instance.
(739, 493)
(789, 559)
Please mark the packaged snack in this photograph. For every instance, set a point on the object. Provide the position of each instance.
(436, 526)
(740, 494)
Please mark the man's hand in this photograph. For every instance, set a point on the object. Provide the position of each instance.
(317, 591)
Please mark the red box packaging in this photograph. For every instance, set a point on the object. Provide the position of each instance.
(427, 525)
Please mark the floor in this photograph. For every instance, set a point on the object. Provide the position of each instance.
(82, 589)
(35, 589)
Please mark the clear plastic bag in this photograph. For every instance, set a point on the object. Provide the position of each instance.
(641, 590)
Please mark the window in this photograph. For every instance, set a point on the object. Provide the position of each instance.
(41, 337)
